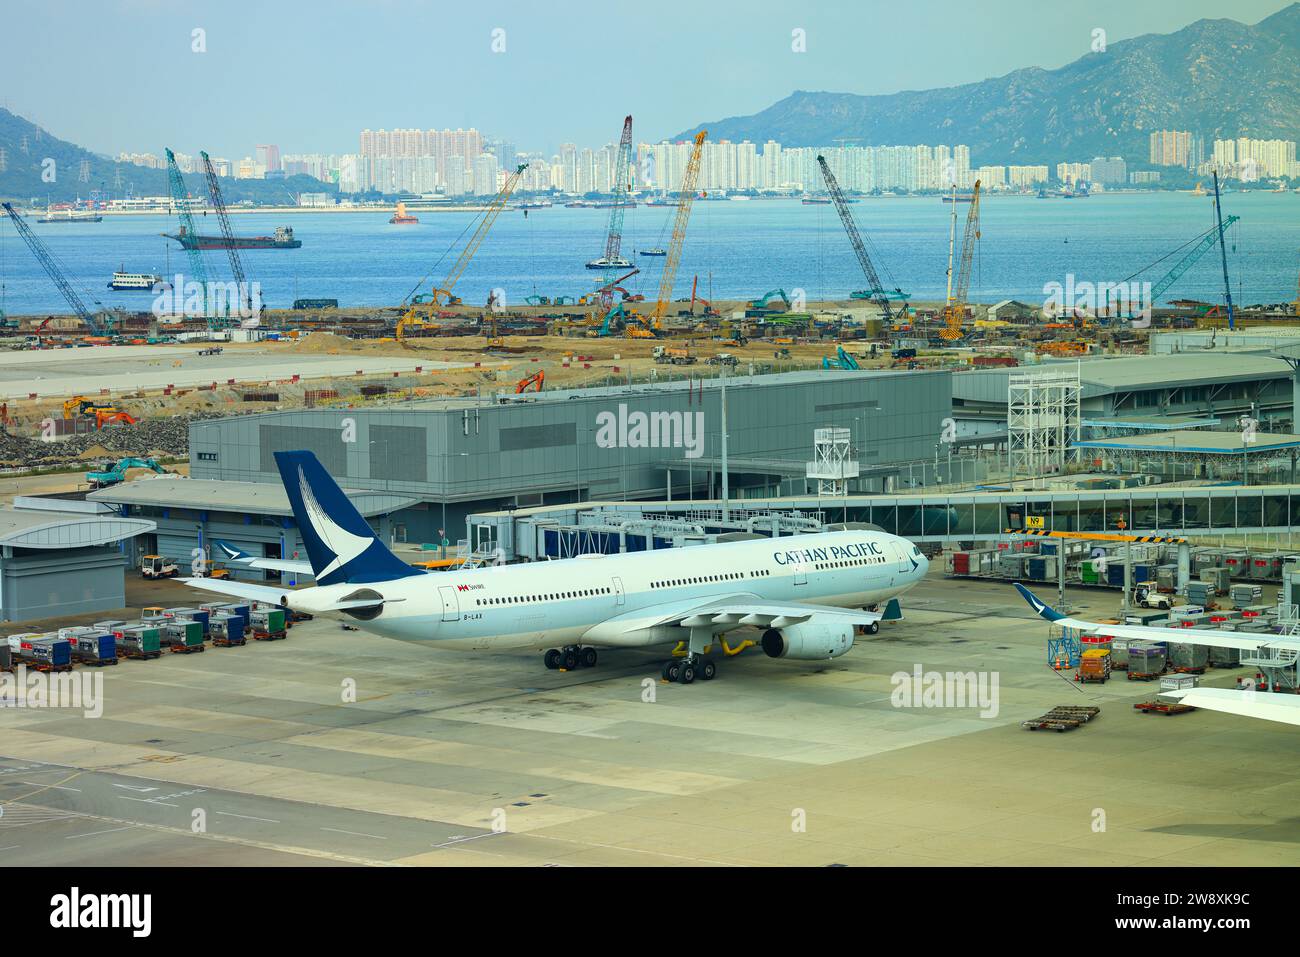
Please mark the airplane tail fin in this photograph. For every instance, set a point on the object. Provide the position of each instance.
(1040, 607)
(340, 543)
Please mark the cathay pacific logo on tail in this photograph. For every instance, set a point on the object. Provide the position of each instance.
(345, 545)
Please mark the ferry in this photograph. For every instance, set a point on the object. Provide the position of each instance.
(135, 281)
(535, 204)
(55, 215)
(603, 263)
(657, 251)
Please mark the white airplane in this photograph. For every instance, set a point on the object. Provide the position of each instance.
(233, 555)
(806, 593)
(1271, 706)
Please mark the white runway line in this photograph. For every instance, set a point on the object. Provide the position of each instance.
(248, 817)
(337, 830)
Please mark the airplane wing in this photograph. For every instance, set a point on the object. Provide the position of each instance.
(723, 614)
(1213, 638)
(1270, 706)
(233, 555)
(225, 586)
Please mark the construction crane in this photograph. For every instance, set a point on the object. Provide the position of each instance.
(1203, 245)
(614, 237)
(442, 295)
(954, 311)
(97, 323)
(181, 199)
(1223, 250)
(876, 291)
(674, 257)
(219, 204)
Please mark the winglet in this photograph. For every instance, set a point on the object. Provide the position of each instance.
(1038, 605)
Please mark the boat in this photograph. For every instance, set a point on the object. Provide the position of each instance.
(56, 215)
(960, 198)
(661, 202)
(603, 263)
(283, 239)
(401, 218)
(626, 204)
(543, 204)
(657, 251)
(580, 204)
(135, 281)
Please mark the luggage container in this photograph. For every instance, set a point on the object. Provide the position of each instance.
(1188, 659)
(1266, 567)
(1115, 574)
(1146, 659)
(1145, 616)
(961, 563)
(1167, 578)
(6, 657)
(268, 624)
(227, 630)
(1219, 578)
(1011, 565)
(1245, 594)
(1237, 563)
(91, 646)
(43, 652)
(113, 626)
(139, 641)
(182, 635)
(1206, 558)
(1200, 593)
(1223, 657)
(193, 614)
(1088, 571)
(1119, 654)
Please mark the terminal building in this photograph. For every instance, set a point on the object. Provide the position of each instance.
(1193, 385)
(418, 470)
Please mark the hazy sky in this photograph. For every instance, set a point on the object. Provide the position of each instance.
(121, 74)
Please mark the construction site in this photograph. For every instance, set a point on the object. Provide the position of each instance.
(215, 351)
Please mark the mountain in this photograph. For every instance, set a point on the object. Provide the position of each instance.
(1219, 78)
(26, 148)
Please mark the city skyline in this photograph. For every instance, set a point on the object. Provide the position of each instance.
(269, 98)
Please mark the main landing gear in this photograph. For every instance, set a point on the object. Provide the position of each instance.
(686, 670)
(570, 658)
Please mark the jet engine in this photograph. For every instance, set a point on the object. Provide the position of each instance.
(808, 641)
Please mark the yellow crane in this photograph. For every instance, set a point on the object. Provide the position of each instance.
(442, 295)
(674, 257)
(954, 311)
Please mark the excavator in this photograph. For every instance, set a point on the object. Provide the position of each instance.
(842, 360)
(79, 406)
(536, 382)
(113, 474)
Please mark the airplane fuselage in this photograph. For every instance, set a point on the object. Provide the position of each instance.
(554, 603)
